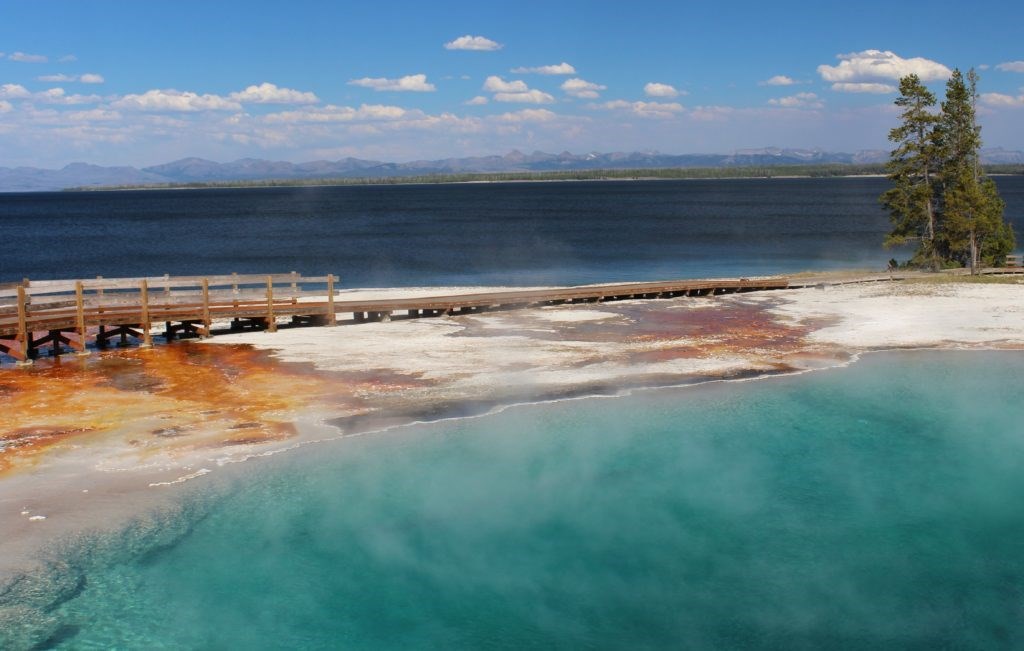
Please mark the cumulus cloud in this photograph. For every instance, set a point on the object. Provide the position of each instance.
(496, 84)
(713, 113)
(800, 100)
(778, 80)
(655, 89)
(999, 100)
(479, 100)
(175, 101)
(267, 93)
(27, 58)
(643, 109)
(863, 87)
(5, 106)
(59, 96)
(562, 68)
(93, 115)
(14, 91)
(332, 113)
(1011, 66)
(580, 88)
(526, 97)
(468, 42)
(408, 83)
(88, 78)
(528, 115)
(878, 65)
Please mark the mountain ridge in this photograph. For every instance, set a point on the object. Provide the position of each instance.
(200, 170)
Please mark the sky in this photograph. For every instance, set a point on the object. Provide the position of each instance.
(114, 82)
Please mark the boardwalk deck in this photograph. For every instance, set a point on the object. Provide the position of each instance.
(61, 313)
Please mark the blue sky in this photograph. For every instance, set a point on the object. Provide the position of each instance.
(139, 83)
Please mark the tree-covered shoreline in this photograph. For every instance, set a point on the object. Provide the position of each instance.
(765, 171)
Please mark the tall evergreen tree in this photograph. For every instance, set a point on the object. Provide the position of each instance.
(973, 230)
(913, 168)
(940, 194)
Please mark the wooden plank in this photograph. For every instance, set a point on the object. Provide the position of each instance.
(24, 336)
(145, 322)
(206, 308)
(271, 319)
(79, 345)
(332, 316)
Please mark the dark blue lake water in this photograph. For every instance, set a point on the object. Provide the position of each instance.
(506, 233)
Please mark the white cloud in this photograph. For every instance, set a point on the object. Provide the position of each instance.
(875, 65)
(59, 96)
(496, 84)
(655, 89)
(88, 78)
(5, 107)
(800, 100)
(27, 58)
(643, 109)
(863, 87)
(528, 115)
(332, 113)
(479, 100)
(14, 91)
(173, 100)
(562, 68)
(267, 93)
(468, 42)
(93, 115)
(1001, 100)
(1011, 66)
(778, 80)
(68, 58)
(711, 113)
(580, 88)
(527, 97)
(408, 83)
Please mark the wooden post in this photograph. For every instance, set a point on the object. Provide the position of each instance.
(206, 307)
(147, 338)
(295, 287)
(234, 289)
(80, 318)
(331, 317)
(271, 320)
(24, 336)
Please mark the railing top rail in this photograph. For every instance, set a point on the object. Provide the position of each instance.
(166, 282)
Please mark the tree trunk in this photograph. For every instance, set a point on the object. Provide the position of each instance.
(974, 254)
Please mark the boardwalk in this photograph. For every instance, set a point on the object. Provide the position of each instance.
(70, 313)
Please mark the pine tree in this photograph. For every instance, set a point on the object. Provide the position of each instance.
(972, 227)
(913, 168)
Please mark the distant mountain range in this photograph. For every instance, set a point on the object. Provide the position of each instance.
(198, 170)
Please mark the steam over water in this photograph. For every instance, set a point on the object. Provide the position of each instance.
(863, 508)
(492, 234)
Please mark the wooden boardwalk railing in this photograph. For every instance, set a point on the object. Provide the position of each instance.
(35, 313)
(65, 311)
